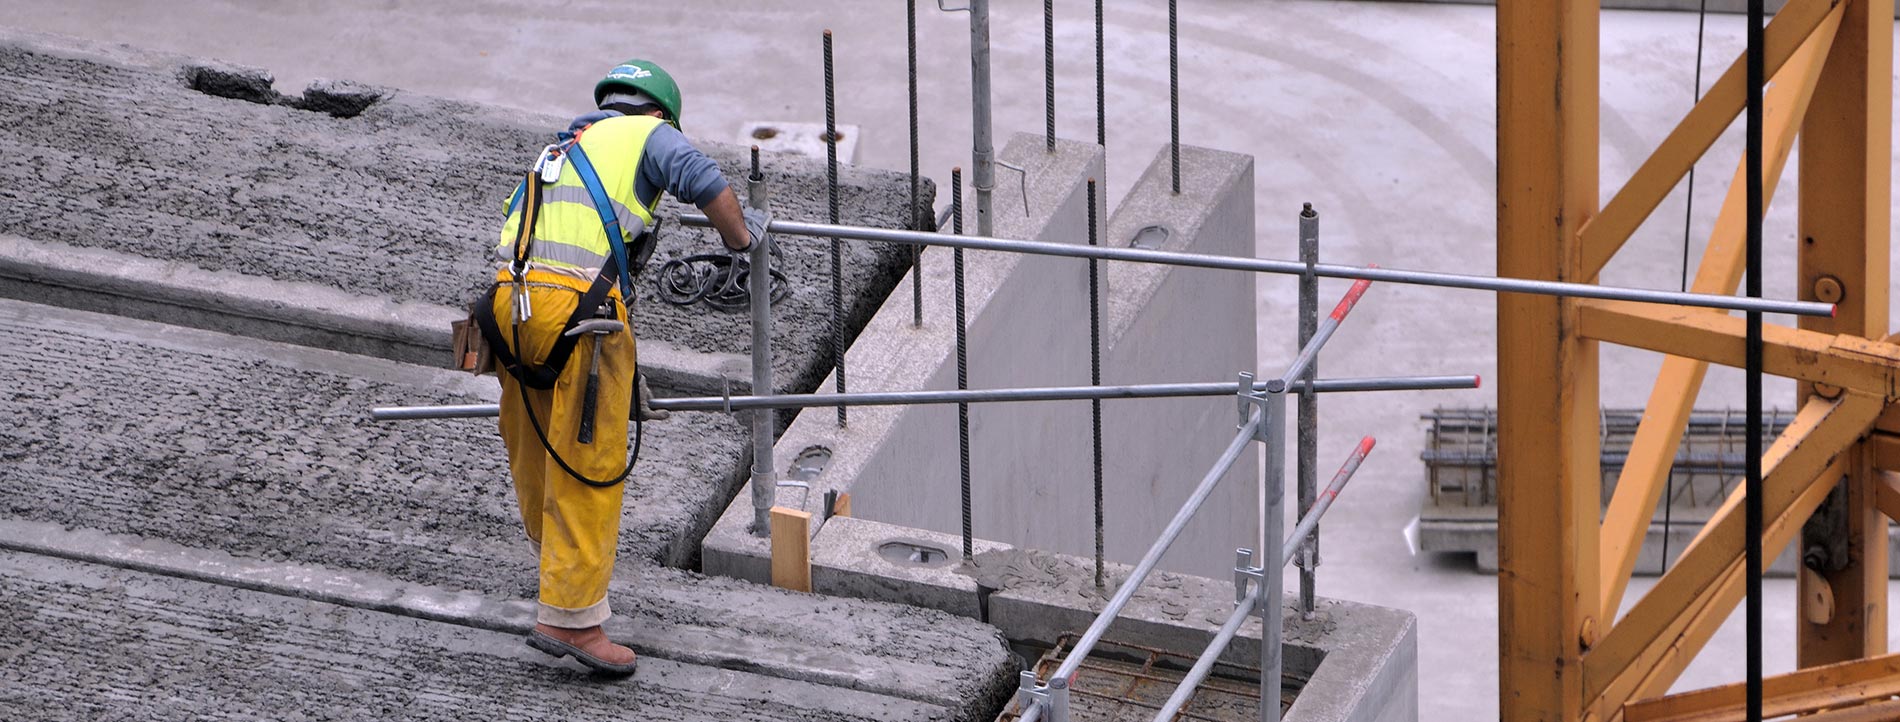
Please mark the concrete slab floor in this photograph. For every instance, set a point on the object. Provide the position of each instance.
(1382, 115)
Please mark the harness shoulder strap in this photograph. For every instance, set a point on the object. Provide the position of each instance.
(604, 205)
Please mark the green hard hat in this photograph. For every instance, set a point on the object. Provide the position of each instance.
(642, 76)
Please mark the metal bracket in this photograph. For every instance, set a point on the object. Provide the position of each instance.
(1024, 184)
(1249, 580)
(1030, 693)
(1244, 401)
(1248, 400)
(948, 9)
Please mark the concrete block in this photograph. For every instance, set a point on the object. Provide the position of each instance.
(852, 562)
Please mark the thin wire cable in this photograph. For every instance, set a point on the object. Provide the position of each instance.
(1095, 378)
(831, 186)
(1756, 76)
(916, 211)
(963, 362)
(1688, 213)
(1174, 96)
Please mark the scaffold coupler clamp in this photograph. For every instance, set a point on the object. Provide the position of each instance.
(1053, 697)
(1246, 575)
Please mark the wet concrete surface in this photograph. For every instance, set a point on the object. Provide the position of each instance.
(99, 643)
(234, 452)
(278, 555)
(204, 163)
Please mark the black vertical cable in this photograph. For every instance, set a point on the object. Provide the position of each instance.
(1101, 105)
(963, 363)
(1095, 379)
(1756, 73)
(1688, 212)
(916, 212)
(1049, 72)
(1174, 96)
(837, 266)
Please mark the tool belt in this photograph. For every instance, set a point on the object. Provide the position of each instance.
(543, 376)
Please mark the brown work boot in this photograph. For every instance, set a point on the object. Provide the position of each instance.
(589, 646)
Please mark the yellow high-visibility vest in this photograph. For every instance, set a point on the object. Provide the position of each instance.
(569, 235)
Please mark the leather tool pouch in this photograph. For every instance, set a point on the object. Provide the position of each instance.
(471, 348)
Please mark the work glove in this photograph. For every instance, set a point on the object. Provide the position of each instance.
(755, 223)
(642, 395)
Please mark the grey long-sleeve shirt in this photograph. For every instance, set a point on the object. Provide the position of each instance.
(670, 163)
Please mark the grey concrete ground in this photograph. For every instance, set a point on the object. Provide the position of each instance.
(1383, 115)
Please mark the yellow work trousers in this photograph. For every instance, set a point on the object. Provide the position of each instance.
(575, 527)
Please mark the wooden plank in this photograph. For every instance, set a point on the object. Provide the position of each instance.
(1820, 430)
(843, 507)
(1803, 691)
(1653, 450)
(1548, 454)
(1605, 234)
(1845, 228)
(791, 549)
(1844, 361)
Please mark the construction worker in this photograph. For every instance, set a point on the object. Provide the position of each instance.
(557, 323)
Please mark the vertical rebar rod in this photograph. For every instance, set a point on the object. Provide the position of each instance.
(1095, 379)
(759, 286)
(831, 187)
(963, 361)
(1174, 96)
(1101, 97)
(916, 211)
(1270, 588)
(1308, 464)
(1753, 361)
(982, 149)
(1049, 73)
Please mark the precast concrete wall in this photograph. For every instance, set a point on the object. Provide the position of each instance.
(1031, 463)
(1165, 324)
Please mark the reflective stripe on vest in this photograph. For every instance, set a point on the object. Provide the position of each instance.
(569, 233)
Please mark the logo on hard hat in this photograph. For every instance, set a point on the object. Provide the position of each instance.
(630, 72)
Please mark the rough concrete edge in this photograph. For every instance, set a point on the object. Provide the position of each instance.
(848, 564)
(304, 314)
(375, 592)
(885, 356)
(1134, 285)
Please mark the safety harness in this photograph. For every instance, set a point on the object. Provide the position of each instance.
(528, 198)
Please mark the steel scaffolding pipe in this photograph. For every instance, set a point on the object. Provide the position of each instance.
(1294, 268)
(973, 396)
(1309, 525)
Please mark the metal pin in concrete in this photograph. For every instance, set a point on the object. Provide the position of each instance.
(916, 211)
(1174, 96)
(963, 365)
(831, 193)
(1308, 434)
(1095, 379)
(764, 487)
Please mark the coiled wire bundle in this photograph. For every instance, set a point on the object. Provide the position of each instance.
(719, 280)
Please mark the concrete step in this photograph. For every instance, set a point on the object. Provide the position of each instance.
(90, 642)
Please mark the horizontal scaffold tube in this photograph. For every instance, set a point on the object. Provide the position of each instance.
(1266, 265)
(903, 398)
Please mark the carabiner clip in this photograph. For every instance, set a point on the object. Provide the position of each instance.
(549, 163)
